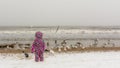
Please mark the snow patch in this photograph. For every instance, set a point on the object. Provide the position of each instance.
(63, 60)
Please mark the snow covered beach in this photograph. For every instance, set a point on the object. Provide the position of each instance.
(63, 60)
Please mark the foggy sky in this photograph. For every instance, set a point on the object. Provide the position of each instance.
(59, 12)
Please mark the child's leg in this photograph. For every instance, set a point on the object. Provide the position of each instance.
(41, 56)
(36, 57)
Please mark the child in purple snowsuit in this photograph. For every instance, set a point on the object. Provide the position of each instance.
(38, 47)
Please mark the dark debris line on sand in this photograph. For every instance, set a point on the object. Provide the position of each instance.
(87, 49)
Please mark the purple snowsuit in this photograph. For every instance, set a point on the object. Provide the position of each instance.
(38, 47)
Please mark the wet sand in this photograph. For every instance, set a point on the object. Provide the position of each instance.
(87, 49)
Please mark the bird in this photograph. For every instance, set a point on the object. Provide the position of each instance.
(25, 54)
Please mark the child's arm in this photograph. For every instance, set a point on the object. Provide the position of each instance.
(32, 48)
(44, 46)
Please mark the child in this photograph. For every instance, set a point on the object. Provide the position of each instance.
(38, 47)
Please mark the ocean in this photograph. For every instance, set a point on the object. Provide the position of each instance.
(73, 34)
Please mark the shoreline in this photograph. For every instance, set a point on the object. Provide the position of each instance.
(86, 49)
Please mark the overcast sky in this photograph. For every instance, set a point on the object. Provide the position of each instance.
(59, 12)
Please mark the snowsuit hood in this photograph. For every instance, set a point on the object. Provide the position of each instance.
(39, 35)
